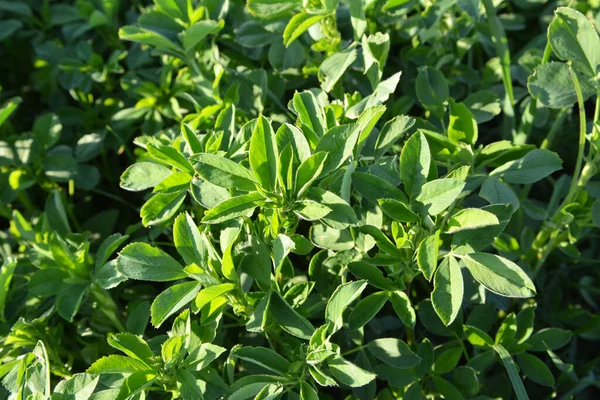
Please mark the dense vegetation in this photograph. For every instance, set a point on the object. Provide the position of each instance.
(285, 199)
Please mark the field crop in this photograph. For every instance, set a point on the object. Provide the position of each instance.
(299, 200)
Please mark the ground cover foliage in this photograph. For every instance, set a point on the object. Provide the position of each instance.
(320, 199)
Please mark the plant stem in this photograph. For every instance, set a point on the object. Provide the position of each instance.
(581, 143)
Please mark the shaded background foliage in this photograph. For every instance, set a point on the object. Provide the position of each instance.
(91, 98)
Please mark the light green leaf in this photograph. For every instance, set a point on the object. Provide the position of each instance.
(143, 175)
(116, 364)
(348, 373)
(414, 164)
(161, 207)
(309, 171)
(298, 25)
(427, 255)
(132, 345)
(338, 143)
(210, 293)
(463, 126)
(438, 194)
(263, 154)
(573, 38)
(499, 275)
(143, 262)
(334, 67)
(448, 290)
(232, 208)
(197, 32)
(341, 298)
(403, 308)
(398, 210)
(172, 300)
(470, 218)
(223, 172)
(393, 130)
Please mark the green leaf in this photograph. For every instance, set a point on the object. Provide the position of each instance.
(334, 67)
(552, 85)
(310, 113)
(210, 293)
(135, 383)
(341, 298)
(188, 240)
(265, 358)
(150, 38)
(366, 309)
(311, 210)
(573, 38)
(308, 172)
(307, 392)
(497, 192)
(338, 142)
(56, 214)
(534, 369)
(143, 262)
(463, 126)
(446, 361)
(232, 208)
(438, 194)
(9, 107)
(143, 175)
(289, 320)
(432, 89)
(197, 32)
(169, 156)
(470, 218)
(298, 25)
(549, 338)
(484, 105)
(398, 210)
(223, 172)
(415, 160)
(499, 275)
(477, 337)
(513, 374)
(393, 352)
(132, 345)
(6, 274)
(69, 300)
(161, 207)
(348, 373)
(391, 132)
(263, 154)
(374, 188)
(448, 290)
(536, 165)
(108, 247)
(427, 255)
(116, 364)
(403, 308)
(176, 182)
(201, 356)
(341, 216)
(172, 300)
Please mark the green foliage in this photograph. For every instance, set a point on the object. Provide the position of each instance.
(293, 199)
